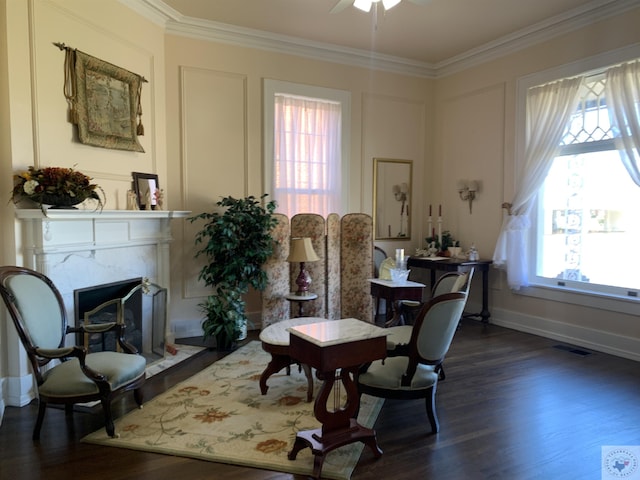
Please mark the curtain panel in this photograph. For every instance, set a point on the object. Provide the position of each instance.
(622, 91)
(548, 110)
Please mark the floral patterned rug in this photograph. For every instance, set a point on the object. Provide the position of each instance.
(219, 415)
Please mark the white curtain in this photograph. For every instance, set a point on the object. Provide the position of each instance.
(307, 155)
(549, 109)
(622, 91)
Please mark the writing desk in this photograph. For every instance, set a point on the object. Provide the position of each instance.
(458, 265)
(331, 346)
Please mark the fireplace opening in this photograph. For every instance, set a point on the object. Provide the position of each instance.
(142, 310)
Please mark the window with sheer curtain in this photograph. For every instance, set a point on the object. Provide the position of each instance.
(574, 213)
(307, 155)
(305, 127)
(587, 206)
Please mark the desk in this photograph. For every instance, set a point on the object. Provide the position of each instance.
(458, 265)
(330, 346)
(394, 292)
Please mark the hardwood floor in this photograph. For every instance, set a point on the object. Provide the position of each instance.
(513, 406)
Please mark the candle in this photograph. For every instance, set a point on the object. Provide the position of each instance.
(429, 209)
(439, 210)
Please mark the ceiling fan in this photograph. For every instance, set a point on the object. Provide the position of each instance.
(365, 5)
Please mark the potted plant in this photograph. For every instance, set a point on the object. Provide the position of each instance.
(236, 241)
(442, 248)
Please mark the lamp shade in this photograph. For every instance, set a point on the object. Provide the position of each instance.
(302, 251)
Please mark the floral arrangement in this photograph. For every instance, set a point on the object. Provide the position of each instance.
(57, 186)
(447, 241)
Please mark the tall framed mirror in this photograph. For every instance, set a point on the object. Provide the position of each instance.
(392, 188)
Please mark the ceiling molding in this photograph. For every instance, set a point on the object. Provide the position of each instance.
(177, 24)
(535, 34)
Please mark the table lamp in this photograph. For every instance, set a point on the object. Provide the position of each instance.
(302, 251)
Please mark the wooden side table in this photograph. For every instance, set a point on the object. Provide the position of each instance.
(393, 292)
(330, 346)
(301, 299)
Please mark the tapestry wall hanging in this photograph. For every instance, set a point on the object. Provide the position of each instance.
(104, 101)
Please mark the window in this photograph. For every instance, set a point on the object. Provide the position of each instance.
(306, 157)
(585, 222)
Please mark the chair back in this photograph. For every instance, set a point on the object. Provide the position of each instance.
(379, 255)
(36, 308)
(435, 327)
(453, 282)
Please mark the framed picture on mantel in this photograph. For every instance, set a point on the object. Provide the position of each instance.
(147, 190)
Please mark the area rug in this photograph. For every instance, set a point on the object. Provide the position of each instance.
(219, 415)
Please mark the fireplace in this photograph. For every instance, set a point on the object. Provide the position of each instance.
(136, 303)
(86, 307)
(80, 248)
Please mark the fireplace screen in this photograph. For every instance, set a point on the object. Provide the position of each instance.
(136, 303)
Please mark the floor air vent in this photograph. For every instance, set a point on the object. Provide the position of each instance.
(570, 349)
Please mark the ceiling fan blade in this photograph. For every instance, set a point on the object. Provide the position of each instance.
(420, 2)
(341, 5)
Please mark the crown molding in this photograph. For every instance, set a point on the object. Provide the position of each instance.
(568, 22)
(177, 24)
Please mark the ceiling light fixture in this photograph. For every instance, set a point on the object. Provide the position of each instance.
(365, 5)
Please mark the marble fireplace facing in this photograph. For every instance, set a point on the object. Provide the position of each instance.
(79, 249)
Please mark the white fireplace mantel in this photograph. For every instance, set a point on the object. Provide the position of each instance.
(82, 248)
(84, 232)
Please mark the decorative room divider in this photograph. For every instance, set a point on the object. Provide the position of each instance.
(345, 248)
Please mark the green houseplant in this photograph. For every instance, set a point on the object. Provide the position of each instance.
(236, 241)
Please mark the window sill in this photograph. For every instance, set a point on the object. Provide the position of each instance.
(611, 303)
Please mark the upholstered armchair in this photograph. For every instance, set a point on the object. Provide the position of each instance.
(66, 374)
(416, 374)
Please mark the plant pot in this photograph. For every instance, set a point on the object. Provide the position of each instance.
(225, 344)
(59, 201)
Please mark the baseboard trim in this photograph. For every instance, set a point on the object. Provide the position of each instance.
(19, 390)
(597, 340)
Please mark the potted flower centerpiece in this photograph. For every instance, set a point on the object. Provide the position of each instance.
(56, 186)
(236, 241)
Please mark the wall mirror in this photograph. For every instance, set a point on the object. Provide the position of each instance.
(146, 187)
(392, 190)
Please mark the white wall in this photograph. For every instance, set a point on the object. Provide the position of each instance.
(479, 106)
(35, 130)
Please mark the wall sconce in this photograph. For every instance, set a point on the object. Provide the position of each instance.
(467, 191)
(302, 251)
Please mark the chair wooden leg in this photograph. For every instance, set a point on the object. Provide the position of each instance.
(431, 410)
(108, 418)
(42, 407)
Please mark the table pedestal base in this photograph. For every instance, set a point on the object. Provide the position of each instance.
(321, 444)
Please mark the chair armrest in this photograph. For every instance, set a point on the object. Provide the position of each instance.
(104, 328)
(53, 353)
(93, 328)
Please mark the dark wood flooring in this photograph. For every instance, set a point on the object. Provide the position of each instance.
(513, 406)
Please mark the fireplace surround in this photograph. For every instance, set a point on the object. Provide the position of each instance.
(77, 249)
